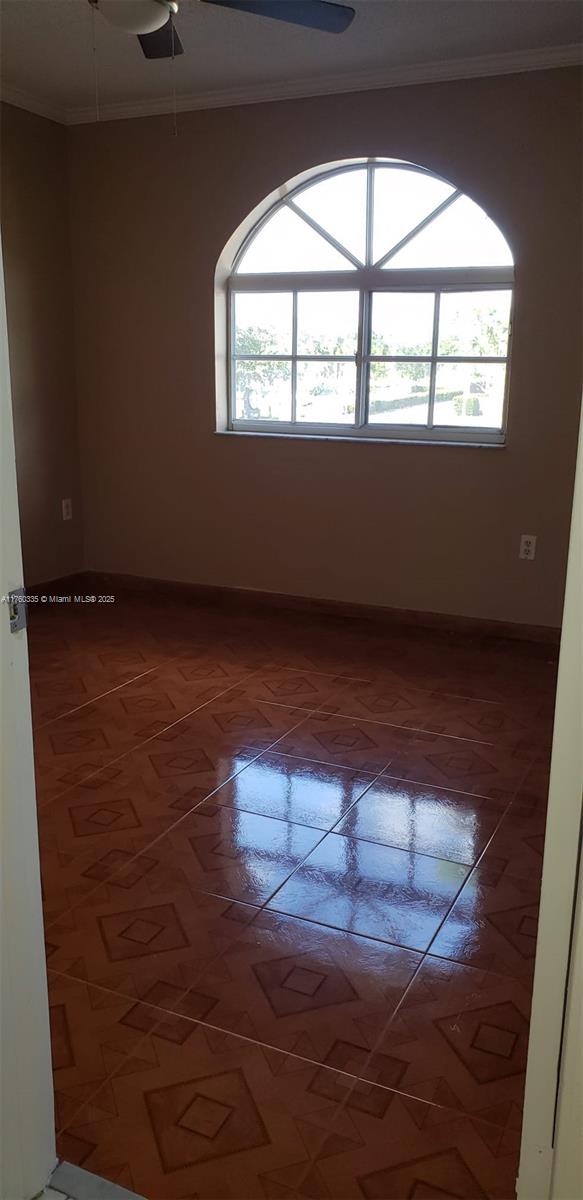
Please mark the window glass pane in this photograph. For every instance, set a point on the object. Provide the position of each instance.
(326, 392)
(262, 390)
(263, 322)
(338, 204)
(463, 236)
(470, 394)
(402, 323)
(401, 200)
(327, 322)
(398, 393)
(474, 323)
(288, 243)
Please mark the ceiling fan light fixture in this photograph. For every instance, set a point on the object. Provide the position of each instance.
(137, 16)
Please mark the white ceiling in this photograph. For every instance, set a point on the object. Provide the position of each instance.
(48, 62)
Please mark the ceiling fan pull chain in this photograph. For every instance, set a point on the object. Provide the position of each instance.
(95, 71)
(173, 69)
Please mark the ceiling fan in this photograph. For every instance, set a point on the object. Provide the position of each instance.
(153, 20)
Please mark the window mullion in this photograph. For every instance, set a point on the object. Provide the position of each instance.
(365, 367)
(319, 229)
(433, 368)
(428, 220)
(294, 365)
(369, 212)
(231, 369)
(359, 413)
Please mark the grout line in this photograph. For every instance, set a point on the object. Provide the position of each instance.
(224, 1029)
(134, 1002)
(384, 775)
(362, 1078)
(354, 1081)
(111, 762)
(276, 666)
(197, 1022)
(425, 955)
(171, 829)
(161, 666)
(100, 696)
(304, 824)
(344, 716)
(318, 843)
(398, 683)
(289, 917)
(271, 666)
(370, 937)
(144, 851)
(318, 1066)
(373, 780)
(352, 837)
(483, 852)
(261, 905)
(439, 787)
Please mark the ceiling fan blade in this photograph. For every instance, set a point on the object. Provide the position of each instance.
(314, 14)
(163, 43)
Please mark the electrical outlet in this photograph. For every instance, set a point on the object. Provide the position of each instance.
(67, 510)
(527, 546)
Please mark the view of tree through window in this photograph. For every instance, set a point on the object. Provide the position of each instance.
(373, 301)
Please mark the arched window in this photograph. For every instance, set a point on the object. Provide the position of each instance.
(372, 301)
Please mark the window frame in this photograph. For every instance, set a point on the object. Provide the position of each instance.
(367, 279)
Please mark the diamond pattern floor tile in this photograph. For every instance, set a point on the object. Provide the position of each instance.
(384, 1146)
(327, 738)
(291, 871)
(493, 924)
(144, 934)
(300, 987)
(461, 1036)
(214, 1116)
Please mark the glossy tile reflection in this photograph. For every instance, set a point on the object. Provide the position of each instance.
(291, 872)
(234, 853)
(308, 793)
(424, 820)
(373, 890)
(493, 924)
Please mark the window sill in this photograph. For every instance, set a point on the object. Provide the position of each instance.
(367, 441)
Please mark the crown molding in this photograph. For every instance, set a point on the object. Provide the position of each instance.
(32, 104)
(482, 66)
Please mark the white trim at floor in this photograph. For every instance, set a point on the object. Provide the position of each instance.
(73, 1183)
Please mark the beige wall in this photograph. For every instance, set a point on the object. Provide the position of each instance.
(431, 528)
(35, 235)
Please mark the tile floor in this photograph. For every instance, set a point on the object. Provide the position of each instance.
(290, 872)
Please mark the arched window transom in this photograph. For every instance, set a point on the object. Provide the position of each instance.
(372, 301)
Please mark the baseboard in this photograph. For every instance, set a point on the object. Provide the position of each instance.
(64, 585)
(249, 600)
